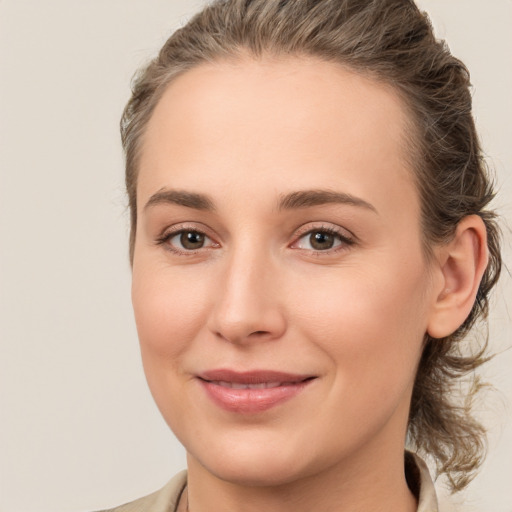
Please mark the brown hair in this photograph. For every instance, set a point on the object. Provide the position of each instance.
(391, 41)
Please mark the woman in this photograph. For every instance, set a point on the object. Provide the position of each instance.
(310, 243)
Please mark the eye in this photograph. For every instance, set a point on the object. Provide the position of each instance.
(189, 240)
(186, 240)
(322, 240)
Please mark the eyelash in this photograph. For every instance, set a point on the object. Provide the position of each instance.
(344, 240)
(165, 238)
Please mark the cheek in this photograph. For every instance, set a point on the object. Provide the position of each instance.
(168, 311)
(370, 323)
(370, 328)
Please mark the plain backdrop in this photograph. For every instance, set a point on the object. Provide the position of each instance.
(78, 428)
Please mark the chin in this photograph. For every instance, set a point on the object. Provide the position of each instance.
(255, 463)
(256, 473)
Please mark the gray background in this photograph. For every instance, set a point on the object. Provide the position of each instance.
(78, 428)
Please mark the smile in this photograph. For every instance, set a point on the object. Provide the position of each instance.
(263, 385)
(251, 392)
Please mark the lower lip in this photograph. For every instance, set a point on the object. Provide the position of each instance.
(251, 401)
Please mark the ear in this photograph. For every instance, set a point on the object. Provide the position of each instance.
(460, 265)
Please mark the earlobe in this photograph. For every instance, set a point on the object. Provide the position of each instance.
(462, 263)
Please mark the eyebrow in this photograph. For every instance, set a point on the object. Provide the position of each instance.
(310, 198)
(181, 198)
(292, 201)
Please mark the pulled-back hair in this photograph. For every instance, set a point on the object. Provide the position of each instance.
(390, 41)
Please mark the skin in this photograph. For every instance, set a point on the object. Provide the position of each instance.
(257, 295)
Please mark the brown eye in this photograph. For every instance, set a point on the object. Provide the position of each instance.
(322, 240)
(187, 241)
(191, 240)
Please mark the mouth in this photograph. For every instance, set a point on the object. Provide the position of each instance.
(252, 392)
(263, 385)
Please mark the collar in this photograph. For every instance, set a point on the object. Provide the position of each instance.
(420, 483)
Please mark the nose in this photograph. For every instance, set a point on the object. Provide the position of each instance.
(248, 305)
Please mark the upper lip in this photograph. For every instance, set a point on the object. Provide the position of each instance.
(252, 377)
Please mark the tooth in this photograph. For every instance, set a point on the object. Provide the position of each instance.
(237, 385)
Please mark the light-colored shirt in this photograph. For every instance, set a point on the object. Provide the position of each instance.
(167, 499)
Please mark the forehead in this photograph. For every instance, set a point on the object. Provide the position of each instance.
(274, 122)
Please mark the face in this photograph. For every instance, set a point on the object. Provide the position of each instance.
(280, 290)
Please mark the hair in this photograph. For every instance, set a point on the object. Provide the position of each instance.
(391, 41)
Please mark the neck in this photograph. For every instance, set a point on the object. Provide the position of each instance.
(373, 482)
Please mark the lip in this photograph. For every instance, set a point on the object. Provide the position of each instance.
(253, 391)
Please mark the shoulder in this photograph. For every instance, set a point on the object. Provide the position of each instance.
(164, 500)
